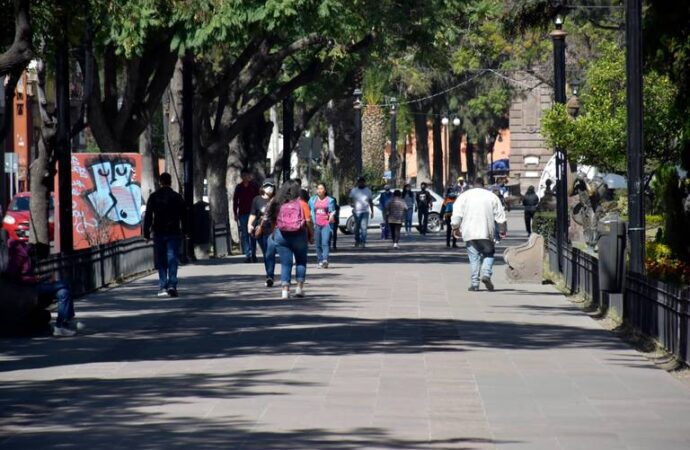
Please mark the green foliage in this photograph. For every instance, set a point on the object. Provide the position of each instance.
(598, 135)
(668, 199)
(544, 223)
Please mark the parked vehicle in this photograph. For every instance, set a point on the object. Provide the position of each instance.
(18, 217)
(347, 221)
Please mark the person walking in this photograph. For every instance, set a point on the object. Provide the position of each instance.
(424, 202)
(476, 213)
(334, 226)
(166, 217)
(292, 234)
(242, 200)
(447, 211)
(260, 228)
(530, 202)
(361, 200)
(409, 199)
(385, 198)
(395, 213)
(322, 208)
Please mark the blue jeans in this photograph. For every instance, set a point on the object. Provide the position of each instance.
(323, 241)
(481, 264)
(408, 219)
(248, 242)
(361, 225)
(167, 248)
(60, 291)
(291, 245)
(268, 247)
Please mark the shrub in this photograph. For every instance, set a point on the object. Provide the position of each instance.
(662, 266)
(544, 223)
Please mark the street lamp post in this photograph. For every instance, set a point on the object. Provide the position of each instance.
(636, 229)
(394, 137)
(357, 105)
(445, 122)
(558, 38)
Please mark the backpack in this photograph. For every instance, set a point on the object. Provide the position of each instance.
(291, 217)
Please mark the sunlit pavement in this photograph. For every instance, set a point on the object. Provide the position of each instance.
(387, 350)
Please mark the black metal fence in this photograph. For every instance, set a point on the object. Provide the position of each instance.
(655, 309)
(96, 267)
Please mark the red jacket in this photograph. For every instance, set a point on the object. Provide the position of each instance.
(19, 265)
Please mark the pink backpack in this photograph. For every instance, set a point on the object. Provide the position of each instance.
(291, 217)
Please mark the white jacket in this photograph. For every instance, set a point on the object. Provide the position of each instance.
(477, 211)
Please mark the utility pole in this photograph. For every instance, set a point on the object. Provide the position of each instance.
(558, 38)
(394, 137)
(357, 105)
(288, 125)
(633, 35)
(64, 154)
(188, 146)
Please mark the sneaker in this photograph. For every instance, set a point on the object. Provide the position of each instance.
(269, 282)
(172, 292)
(163, 293)
(356, 245)
(473, 288)
(319, 265)
(63, 331)
(247, 259)
(285, 294)
(255, 259)
(299, 292)
(324, 264)
(75, 325)
(395, 246)
(487, 282)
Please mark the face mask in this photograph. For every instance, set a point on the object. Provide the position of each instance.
(268, 190)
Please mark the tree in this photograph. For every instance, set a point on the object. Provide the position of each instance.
(598, 136)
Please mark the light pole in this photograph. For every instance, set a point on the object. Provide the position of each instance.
(357, 105)
(633, 60)
(394, 139)
(445, 122)
(558, 38)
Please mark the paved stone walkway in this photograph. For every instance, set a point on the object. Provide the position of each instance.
(387, 351)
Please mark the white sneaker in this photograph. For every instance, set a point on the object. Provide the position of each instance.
(299, 292)
(395, 246)
(75, 325)
(163, 293)
(319, 265)
(63, 331)
(285, 294)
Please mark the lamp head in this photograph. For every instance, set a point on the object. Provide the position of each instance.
(559, 22)
(456, 121)
(444, 121)
(357, 95)
(394, 105)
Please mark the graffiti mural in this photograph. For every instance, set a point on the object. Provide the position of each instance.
(106, 198)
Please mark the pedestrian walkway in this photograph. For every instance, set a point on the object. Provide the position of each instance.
(387, 351)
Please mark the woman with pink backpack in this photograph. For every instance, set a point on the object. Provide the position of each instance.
(292, 234)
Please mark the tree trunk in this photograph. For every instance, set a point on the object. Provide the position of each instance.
(40, 192)
(469, 157)
(373, 143)
(255, 139)
(454, 155)
(332, 160)
(149, 164)
(216, 174)
(481, 158)
(172, 116)
(437, 130)
(421, 129)
(232, 179)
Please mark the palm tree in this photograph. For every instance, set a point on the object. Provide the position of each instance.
(374, 130)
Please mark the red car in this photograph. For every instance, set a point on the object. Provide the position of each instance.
(16, 220)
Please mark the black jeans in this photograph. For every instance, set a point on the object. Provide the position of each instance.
(395, 231)
(529, 215)
(449, 233)
(423, 217)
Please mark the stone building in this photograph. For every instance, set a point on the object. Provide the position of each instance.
(528, 150)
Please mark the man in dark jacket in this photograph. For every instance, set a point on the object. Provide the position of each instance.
(530, 201)
(424, 202)
(242, 200)
(166, 216)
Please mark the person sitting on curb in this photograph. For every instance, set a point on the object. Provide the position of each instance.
(20, 270)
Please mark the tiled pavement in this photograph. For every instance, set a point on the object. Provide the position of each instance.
(387, 351)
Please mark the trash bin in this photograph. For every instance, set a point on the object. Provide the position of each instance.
(612, 255)
(201, 227)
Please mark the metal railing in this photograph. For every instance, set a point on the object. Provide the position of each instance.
(654, 308)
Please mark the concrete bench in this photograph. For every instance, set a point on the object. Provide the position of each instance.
(525, 262)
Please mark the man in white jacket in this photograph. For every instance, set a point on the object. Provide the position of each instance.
(476, 214)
